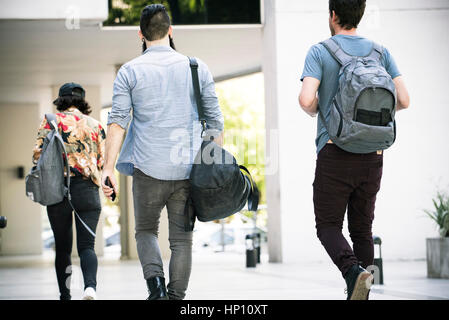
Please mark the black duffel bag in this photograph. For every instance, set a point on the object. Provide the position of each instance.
(219, 187)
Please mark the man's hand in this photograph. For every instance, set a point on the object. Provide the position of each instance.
(108, 190)
(113, 143)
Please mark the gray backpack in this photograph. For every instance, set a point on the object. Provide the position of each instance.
(45, 183)
(361, 118)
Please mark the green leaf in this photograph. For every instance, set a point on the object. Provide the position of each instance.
(441, 213)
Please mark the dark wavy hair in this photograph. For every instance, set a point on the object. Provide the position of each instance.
(349, 12)
(65, 102)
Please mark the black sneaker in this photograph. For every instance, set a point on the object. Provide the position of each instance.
(358, 282)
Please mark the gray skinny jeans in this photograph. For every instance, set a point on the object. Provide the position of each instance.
(150, 196)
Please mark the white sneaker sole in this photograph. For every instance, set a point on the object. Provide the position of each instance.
(89, 294)
(362, 286)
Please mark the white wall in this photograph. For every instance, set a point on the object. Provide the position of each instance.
(17, 138)
(416, 35)
(50, 9)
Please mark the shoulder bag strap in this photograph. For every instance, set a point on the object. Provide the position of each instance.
(196, 89)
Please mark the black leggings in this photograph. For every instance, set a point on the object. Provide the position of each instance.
(86, 200)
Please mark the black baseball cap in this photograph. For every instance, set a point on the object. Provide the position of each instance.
(69, 89)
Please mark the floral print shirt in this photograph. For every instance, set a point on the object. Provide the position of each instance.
(84, 140)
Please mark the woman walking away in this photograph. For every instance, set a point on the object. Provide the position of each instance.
(83, 139)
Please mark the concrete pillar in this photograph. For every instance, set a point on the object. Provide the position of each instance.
(130, 230)
(17, 138)
(124, 219)
(93, 96)
(272, 176)
(163, 235)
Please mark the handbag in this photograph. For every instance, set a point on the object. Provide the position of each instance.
(219, 186)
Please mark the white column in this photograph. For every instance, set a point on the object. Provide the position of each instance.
(164, 245)
(291, 27)
(272, 176)
(131, 233)
(93, 97)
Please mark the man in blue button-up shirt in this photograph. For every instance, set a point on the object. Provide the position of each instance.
(154, 99)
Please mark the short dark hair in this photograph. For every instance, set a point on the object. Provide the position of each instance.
(154, 22)
(65, 102)
(349, 12)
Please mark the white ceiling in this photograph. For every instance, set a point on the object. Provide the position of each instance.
(45, 52)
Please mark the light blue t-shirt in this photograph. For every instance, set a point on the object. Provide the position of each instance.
(321, 65)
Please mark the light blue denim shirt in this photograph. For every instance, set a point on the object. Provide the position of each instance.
(155, 93)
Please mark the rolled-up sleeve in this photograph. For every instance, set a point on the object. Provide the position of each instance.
(121, 100)
(212, 112)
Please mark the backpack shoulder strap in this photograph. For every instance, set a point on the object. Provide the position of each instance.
(51, 119)
(196, 89)
(336, 51)
(377, 51)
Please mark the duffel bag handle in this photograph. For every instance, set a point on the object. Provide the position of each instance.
(196, 90)
(253, 198)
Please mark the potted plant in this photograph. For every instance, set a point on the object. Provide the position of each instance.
(438, 248)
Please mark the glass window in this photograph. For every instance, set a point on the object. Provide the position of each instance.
(185, 12)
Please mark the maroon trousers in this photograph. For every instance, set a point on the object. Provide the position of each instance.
(346, 181)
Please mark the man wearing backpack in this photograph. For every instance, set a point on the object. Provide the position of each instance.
(355, 88)
(159, 149)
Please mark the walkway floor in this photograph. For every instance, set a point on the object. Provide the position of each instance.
(220, 276)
